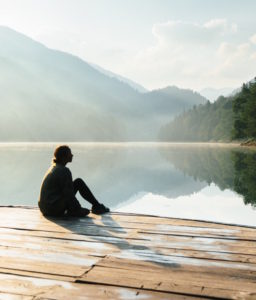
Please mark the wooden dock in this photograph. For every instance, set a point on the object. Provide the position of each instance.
(123, 256)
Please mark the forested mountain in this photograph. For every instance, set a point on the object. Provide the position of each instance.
(226, 119)
(244, 109)
(49, 95)
(208, 122)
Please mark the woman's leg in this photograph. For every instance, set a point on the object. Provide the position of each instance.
(79, 185)
(56, 210)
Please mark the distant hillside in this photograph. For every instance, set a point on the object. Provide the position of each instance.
(226, 119)
(50, 95)
(208, 122)
(181, 99)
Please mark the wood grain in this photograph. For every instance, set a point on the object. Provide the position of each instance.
(123, 256)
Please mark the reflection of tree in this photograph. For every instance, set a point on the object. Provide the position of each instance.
(210, 164)
(228, 168)
(245, 175)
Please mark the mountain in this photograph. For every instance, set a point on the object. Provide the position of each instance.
(244, 111)
(50, 95)
(180, 99)
(131, 83)
(208, 122)
(213, 94)
(227, 118)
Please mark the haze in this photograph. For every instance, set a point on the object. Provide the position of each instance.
(192, 44)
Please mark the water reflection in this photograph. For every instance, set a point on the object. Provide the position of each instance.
(120, 174)
(115, 173)
(228, 167)
(245, 175)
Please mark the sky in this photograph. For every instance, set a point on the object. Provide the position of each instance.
(188, 43)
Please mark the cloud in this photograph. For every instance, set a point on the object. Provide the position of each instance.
(197, 55)
(253, 39)
(179, 32)
(236, 60)
(191, 55)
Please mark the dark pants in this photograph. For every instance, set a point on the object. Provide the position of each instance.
(58, 209)
(80, 186)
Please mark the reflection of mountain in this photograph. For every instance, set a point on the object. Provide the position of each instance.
(48, 95)
(210, 164)
(229, 168)
(115, 174)
(127, 172)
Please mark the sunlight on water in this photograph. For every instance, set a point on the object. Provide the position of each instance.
(210, 204)
(198, 181)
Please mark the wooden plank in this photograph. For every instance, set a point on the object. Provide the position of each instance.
(189, 268)
(44, 235)
(101, 249)
(96, 248)
(213, 255)
(40, 266)
(89, 291)
(159, 240)
(75, 226)
(48, 252)
(119, 219)
(37, 274)
(198, 243)
(135, 235)
(179, 258)
(123, 228)
(207, 233)
(83, 249)
(7, 296)
(224, 231)
(51, 245)
(104, 246)
(168, 282)
(53, 289)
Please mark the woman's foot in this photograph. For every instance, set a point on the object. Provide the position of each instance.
(80, 213)
(99, 209)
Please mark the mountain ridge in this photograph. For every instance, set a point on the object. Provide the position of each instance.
(51, 95)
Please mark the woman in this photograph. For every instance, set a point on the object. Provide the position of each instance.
(57, 194)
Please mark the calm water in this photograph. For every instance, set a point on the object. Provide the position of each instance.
(203, 182)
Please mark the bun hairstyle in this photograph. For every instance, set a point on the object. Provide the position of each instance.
(60, 152)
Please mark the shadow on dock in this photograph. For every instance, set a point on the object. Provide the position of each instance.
(104, 229)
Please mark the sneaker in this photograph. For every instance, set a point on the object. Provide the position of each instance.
(99, 209)
(80, 213)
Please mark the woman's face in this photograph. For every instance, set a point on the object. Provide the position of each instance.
(69, 156)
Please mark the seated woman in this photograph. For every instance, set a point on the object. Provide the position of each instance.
(57, 194)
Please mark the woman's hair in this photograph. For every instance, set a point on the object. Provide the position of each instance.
(60, 152)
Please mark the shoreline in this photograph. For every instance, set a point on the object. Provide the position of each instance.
(142, 144)
(248, 144)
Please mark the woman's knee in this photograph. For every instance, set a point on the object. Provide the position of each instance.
(78, 180)
(77, 183)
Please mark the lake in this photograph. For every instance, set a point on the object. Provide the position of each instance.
(196, 181)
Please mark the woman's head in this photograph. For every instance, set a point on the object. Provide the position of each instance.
(62, 154)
